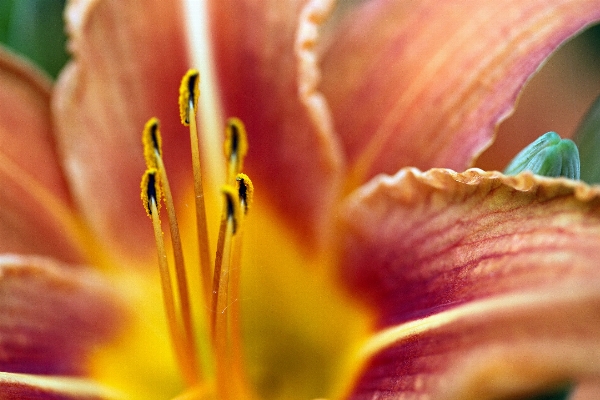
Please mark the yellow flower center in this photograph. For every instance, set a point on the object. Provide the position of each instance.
(298, 330)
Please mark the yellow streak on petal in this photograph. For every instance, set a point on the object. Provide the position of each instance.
(210, 112)
(398, 333)
(57, 385)
(505, 304)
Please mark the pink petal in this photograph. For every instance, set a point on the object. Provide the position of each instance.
(36, 216)
(265, 59)
(422, 242)
(509, 347)
(22, 386)
(424, 83)
(51, 316)
(128, 60)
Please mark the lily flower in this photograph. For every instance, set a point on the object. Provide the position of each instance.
(361, 275)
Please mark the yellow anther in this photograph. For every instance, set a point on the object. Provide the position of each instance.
(232, 205)
(151, 190)
(188, 95)
(245, 191)
(236, 143)
(152, 142)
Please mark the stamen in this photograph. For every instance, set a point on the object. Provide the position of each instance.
(236, 364)
(188, 100)
(151, 194)
(152, 141)
(235, 146)
(220, 298)
(223, 365)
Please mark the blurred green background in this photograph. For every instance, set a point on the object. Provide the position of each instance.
(35, 28)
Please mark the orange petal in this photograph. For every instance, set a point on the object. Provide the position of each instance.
(265, 59)
(23, 386)
(512, 346)
(52, 316)
(128, 60)
(418, 243)
(424, 83)
(36, 215)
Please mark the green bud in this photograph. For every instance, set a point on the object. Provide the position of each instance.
(548, 155)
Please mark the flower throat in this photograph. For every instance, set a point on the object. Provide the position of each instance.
(221, 373)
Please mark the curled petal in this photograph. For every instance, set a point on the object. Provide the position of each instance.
(36, 216)
(513, 346)
(128, 60)
(422, 242)
(23, 386)
(267, 73)
(51, 316)
(424, 83)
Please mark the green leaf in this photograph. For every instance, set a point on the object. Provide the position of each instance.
(587, 138)
(556, 394)
(35, 29)
(5, 13)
